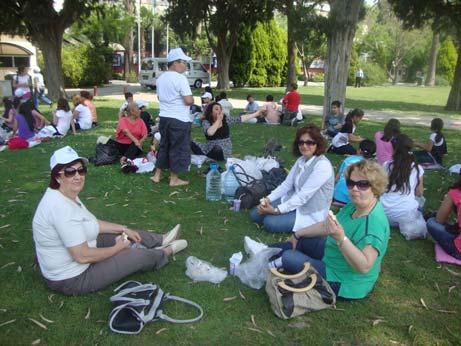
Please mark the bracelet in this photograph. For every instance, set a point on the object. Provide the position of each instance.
(341, 242)
(277, 211)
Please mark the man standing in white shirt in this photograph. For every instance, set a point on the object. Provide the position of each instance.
(359, 78)
(175, 98)
(39, 88)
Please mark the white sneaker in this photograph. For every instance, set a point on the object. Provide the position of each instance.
(252, 247)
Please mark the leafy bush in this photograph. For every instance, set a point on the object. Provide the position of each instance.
(320, 77)
(117, 76)
(440, 81)
(242, 60)
(374, 74)
(446, 60)
(132, 77)
(85, 65)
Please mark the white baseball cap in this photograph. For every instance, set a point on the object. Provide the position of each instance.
(141, 103)
(37, 69)
(177, 54)
(64, 156)
(206, 95)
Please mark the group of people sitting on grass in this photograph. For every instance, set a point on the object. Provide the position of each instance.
(23, 124)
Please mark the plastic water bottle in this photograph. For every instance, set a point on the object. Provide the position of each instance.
(213, 183)
(230, 184)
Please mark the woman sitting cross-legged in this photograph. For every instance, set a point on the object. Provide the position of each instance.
(217, 132)
(346, 250)
(447, 236)
(304, 197)
(131, 133)
(78, 253)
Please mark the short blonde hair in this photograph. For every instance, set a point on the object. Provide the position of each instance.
(373, 171)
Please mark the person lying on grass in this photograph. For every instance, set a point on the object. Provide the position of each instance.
(347, 249)
(76, 252)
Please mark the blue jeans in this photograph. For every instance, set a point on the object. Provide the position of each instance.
(443, 237)
(41, 95)
(275, 223)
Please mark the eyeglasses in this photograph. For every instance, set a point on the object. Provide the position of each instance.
(71, 171)
(308, 142)
(362, 185)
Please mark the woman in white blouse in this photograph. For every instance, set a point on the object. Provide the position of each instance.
(305, 196)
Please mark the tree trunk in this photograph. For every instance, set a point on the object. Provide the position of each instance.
(50, 43)
(128, 41)
(143, 44)
(343, 18)
(304, 64)
(291, 46)
(454, 99)
(223, 69)
(430, 79)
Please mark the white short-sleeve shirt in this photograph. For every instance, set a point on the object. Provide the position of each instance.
(84, 117)
(171, 88)
(64, 119)
(397, 204)
(60, 223)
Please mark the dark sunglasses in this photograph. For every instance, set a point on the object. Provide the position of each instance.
(308, 142)
(71, 171)
(362, 185)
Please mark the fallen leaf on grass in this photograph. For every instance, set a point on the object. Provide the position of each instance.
(110, 204)
(106, 194)
(160, 331)
(451, 289)
(3, 310)
(14, 241)
(12, 200)
(19, 269)
(41, 325)
(242, 296)
(445, 311)
(338, 309)
(45, 319)
(35, 342)
(253, 321)
(455, 273)
(101, 331)
(50, 298)
(410, 328)
(91, 197)
(270, 333)
(7, 322)
(5, 226)
(378, 321)
(228, 299)
(255, 330)
(101, 321)
(197, 212)
(226, 220)
(125, 205)
(437, 287)
(423, 303)
(173, 193)
(7, 265)
(87, 316)
(61, 305)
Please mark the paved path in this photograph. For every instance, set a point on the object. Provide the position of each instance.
(115, 92)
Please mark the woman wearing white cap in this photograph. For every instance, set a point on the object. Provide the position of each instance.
(78, 253)
(39, 88)
(175, 98)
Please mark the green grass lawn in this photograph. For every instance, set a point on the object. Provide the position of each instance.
(393, 314)
(404, 99)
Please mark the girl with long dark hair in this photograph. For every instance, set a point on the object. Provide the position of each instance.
(436, 146)
(341, 142)
(405, 182)
(9, 115)
(384, 140)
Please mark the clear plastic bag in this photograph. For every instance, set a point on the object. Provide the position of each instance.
(199, 270)
(253, 272)
(413, 226)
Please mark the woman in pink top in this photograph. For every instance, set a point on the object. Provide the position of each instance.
(438, 228)
(384, 140)
(131, 133)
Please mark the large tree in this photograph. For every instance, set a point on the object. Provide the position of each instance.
(45, 26)
(222, 22)
(342, 24)
(416, 13)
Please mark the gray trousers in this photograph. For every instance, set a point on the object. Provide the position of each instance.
(101, 274)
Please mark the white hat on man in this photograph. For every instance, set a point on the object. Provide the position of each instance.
(177, 54)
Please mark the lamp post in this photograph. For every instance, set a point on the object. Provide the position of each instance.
(153, 29)
(138, 19)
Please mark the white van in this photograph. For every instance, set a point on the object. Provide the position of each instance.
(152, 68)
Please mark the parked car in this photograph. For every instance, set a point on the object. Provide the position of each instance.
(152, 68)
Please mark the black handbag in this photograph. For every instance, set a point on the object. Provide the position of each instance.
(106, 154)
